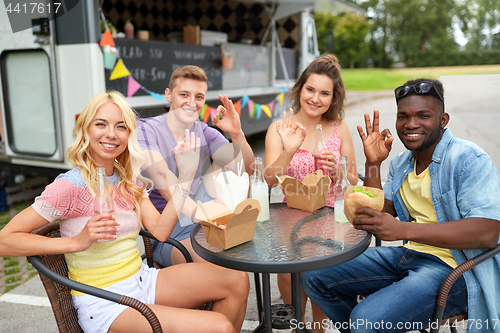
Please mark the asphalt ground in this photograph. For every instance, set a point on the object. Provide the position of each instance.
(474, 115)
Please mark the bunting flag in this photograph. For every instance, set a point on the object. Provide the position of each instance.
(212, 113)
(107, 39)
(267, 110)
(119, 71)
(206, 116)
(250, 107)
(237, 106)
(258, 110)
(132, 86)
(159, 97)
(271, 107)
(109, 59)
(281, 98)
(244, 101)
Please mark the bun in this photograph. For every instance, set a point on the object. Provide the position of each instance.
(355, 200)
(358, 195)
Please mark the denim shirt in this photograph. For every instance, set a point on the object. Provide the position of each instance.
(464, 183)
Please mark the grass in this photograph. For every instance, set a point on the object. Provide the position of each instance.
(372, 79)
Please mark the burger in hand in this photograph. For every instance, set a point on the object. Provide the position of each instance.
(362, 196)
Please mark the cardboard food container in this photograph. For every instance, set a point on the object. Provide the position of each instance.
(228, 229)
(310, 194)
(351, 203)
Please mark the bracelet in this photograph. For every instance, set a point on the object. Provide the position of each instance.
(184, 191)
(194, 213)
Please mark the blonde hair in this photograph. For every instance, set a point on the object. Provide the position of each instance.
(127, 165)
(328, 65)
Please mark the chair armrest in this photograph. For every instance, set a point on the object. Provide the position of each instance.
(149, 256)
(120, 299)
(452, 277)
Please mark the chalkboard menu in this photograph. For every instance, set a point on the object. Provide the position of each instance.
(151, 63)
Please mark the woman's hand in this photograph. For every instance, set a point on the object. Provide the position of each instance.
(328, 163)
(292, 134)
(377, 145)
(187, 156)
(100, 227)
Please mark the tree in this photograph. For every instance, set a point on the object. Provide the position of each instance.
(480, 24)
(410, 30)
(344, 35)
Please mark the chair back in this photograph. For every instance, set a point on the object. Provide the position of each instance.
(59, 296)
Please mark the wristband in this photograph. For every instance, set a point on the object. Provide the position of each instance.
(184, 191)
(194, 213)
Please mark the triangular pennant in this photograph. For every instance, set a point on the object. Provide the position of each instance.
(237, 106)
(212, 113)
(254, 110)
(206, 116)
(159, 97)
(119, 71)
(267, 111)
(109, 60)
(281, 98)
(271, 106)
(107, 39)
(258, 110)
(202, 113)
(132, 86)
(244, 101)
(250, 107)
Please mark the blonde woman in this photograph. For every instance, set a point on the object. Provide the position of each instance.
(105, 136)
(318, 98)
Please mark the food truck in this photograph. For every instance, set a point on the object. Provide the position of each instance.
(52, 63)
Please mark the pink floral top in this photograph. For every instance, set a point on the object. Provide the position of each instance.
(302, 163)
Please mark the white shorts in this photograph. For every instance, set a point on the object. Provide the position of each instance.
(97, 314)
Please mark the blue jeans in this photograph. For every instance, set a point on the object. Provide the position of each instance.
(402, 285)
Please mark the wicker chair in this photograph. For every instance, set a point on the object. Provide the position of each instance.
(53, 272)
(448, 283)
(445, 289)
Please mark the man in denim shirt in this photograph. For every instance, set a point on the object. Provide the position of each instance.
(449, 189)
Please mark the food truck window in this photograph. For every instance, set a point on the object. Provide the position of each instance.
(29, 110)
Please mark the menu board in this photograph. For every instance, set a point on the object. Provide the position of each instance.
(151, 63)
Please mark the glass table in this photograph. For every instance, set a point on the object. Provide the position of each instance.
(291, 241)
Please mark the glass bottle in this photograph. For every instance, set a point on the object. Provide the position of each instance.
(260, 191)
(129, 30)
(339, 190)
(319, 147)
(103, 202)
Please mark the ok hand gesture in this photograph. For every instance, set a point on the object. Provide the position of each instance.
(292, 134)
(377, 145)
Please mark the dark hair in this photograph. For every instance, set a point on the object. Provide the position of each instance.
(437, 84)
(187, 72)
(328, 65)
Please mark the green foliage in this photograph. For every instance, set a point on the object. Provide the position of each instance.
(344, 35)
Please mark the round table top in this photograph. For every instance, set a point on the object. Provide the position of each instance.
(291, 241)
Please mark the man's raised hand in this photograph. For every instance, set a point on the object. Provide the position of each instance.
(377, 145)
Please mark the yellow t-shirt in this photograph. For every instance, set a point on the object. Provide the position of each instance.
(416, 194)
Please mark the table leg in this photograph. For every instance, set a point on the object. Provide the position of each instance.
(258, 293)
(296, 299)
(266, 285)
